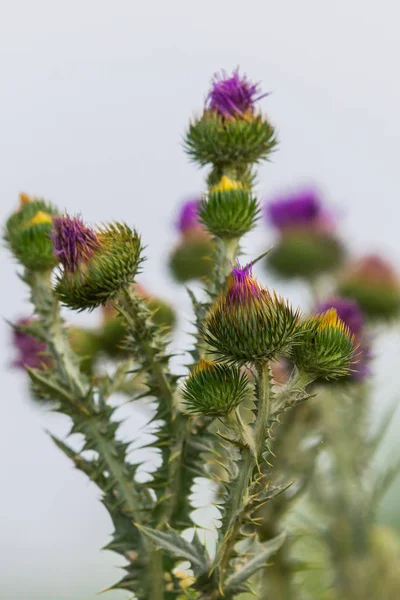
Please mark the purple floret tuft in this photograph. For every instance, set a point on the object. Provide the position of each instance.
(242, 286)
(233, 96)
(73, 241)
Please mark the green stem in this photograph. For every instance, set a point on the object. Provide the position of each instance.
(264, 406)
(85, 414)
(249, 463)
(227, 251)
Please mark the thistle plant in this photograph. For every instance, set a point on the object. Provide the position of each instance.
(229, 419)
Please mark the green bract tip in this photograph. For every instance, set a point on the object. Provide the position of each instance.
(222, 142)
(248, 323)
(105, 262)
(27, 233)
(327, 348)
(214, 389)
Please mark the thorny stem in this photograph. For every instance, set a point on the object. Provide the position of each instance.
(176, 421)
(250, 461)
(48, 311)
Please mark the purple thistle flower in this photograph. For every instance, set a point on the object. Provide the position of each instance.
(30, 350)
(232, 96)
(188, 218)
(351, 314)
(73, 241)
(242, 286)
(296, 209)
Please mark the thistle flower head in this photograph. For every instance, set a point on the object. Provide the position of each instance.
(188, 218)
(97, 264)
(73, 242)
(350, 313)
(28, 233)
(31, 352)
(327, 348)
(347, 310)
(233, 96)
(298, 209)
(248, 323)
(373, 283)
(229, 211)
(214, 389)
(373, 268)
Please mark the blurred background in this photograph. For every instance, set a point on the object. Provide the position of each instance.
(95, 97)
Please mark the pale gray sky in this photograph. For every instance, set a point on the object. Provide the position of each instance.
(95, 96)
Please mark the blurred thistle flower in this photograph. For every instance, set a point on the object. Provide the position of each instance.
(248, 324)
(192, 256)
(233, 96)
(352, 316)
(301, 208)
(327, 348)
(188, 218)
(307, 245)
(97, 264)
(373, 283)
(31, 352)
(73, 242)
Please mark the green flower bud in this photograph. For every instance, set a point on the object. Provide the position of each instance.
(229, 210)
(305, 253)
(214, 389)
(192, 258)
(248, 323)
(28, 234)
(226, 143)
(97, 264)
(327, 347)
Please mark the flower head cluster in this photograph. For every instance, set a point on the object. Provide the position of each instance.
(299, 209)
(248, 323)
(31, 352)
(233, 96)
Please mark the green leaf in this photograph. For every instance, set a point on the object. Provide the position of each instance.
(177, 546)
(254, 564)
